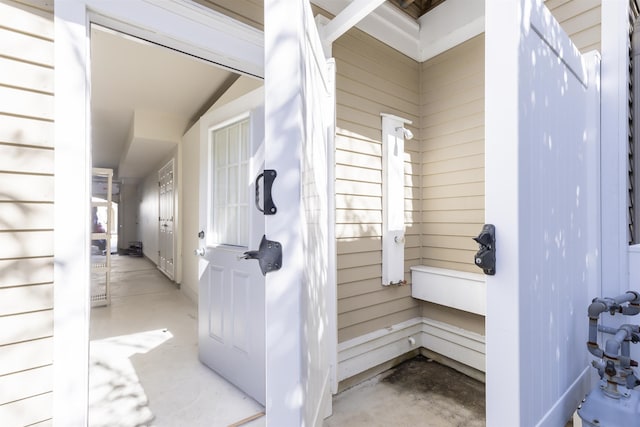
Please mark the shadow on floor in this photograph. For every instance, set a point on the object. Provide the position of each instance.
(418, 392)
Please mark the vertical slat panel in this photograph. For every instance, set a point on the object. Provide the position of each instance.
(543, 193)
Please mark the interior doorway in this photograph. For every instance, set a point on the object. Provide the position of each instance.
(138, 123)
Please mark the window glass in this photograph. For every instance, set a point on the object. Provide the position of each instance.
(230, 201)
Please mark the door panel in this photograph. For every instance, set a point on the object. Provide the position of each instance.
(317, 87)
(165, 220)
(542, 195)
(299, 104)
(231, 297)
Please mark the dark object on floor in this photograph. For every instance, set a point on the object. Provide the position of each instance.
(135, 249)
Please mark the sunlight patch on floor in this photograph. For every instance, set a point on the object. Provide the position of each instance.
(116, 397)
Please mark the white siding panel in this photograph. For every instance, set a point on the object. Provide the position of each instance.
(24, 384)
(25, 244)
(26, 355)
(26, 48)
(25, 75)
(27, 412)
(25, 131)
(25, 103)
(25, 327)
(26, 188)
(26, 216)
(26, 20)
(26, 159)
(25, 299)
(26, 271)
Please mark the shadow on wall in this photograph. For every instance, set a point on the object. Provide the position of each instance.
(26, 266)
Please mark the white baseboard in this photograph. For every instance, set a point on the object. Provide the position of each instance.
(373, 349)
(455, 343)
(190, 293)
(568, 402)
(368, 351)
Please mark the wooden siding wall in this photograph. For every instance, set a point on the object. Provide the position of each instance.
(250, 12)
(452, 118)
(371, 79)
(580, 19)
(26, 212)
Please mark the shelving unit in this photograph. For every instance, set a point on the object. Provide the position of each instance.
(101, 243)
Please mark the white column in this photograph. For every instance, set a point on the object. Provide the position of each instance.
(614, 120)
(502, 163)
(283, 135)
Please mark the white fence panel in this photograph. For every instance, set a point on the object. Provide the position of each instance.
(542, 194)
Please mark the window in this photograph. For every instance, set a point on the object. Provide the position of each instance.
(229, 151)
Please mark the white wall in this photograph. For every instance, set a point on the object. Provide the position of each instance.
(189, 210)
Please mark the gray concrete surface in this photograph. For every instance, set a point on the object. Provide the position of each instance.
(417, 393)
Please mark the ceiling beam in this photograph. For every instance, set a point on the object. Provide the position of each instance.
(348, 18)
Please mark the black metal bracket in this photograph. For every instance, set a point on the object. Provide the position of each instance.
(269, 175)
(485, 258)
(269, 255)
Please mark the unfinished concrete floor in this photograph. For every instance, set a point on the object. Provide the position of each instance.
(418, 392)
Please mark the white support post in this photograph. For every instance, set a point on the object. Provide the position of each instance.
(72, 217)
(283, 30)
(614, 121)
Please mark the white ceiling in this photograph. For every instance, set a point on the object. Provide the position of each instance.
(167, 89)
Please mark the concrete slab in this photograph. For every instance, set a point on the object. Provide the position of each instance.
(418, 392)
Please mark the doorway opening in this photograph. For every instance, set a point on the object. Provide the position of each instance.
(146, 104)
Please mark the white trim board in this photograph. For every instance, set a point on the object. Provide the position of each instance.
(449, 24)
(451, 288)
(370, 350)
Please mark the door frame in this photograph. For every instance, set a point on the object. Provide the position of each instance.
(176, 24)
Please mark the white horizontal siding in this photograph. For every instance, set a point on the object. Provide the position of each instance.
(26, 211)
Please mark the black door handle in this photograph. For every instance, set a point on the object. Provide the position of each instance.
(269, 175)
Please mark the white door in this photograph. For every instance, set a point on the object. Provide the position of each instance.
(166, 219)
(231, 313)
(299, 110)
(542, 194)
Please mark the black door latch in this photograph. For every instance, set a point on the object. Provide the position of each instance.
(485, 258)
(269, 255)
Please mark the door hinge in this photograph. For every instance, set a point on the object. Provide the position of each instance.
(269, 255)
